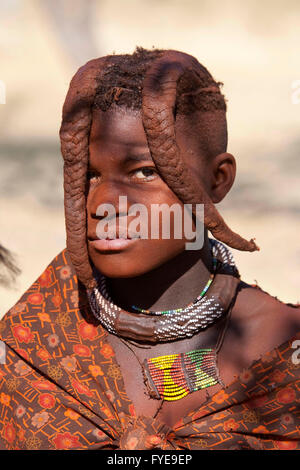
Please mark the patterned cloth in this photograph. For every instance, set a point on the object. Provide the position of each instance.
(61, 387)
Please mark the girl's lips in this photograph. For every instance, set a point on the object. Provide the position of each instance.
(111, 245)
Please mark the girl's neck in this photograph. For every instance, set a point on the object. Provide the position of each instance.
(173, 285)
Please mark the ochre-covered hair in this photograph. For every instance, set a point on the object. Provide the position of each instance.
(162, 83)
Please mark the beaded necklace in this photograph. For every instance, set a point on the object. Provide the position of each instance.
(202, 294)
(174, 376)
(171, 377)
(156, 327)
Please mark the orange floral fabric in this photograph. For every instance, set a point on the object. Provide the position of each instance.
(61, 387)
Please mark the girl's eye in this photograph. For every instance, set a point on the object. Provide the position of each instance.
(92, 176)
(145, 173)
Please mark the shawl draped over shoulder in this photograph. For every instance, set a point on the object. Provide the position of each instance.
(61, 387)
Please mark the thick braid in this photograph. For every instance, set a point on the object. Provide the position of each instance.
(74, 135)
(159, 98)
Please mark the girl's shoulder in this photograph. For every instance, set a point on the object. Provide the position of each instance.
(253, 301)
(262, 321)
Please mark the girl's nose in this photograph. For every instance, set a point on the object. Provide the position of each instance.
(108, 192)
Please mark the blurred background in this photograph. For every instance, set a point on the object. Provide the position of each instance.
(252, 47)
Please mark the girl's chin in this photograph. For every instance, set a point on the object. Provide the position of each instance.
(115, 267)
(131, 263)
(120, 274)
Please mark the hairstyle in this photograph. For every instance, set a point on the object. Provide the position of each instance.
(161, 83)
(122, 81)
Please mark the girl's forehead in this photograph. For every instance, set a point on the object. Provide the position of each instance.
(120, 131)
(118, 125)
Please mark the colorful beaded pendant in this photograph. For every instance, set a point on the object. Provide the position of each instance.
(174, 376)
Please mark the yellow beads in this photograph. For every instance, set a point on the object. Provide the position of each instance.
(174, 376)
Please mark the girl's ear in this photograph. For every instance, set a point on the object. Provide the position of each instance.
(223, 171)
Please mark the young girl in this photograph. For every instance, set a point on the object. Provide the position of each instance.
(137, 342)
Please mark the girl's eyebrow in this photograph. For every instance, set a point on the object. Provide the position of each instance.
(138, 158)
(131, 158)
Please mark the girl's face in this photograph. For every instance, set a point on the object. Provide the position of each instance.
(120, 164)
